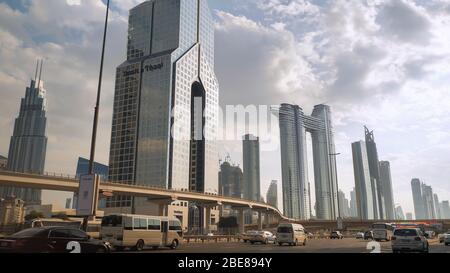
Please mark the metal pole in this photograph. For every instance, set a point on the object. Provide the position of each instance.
(96, 113)
(97, 105)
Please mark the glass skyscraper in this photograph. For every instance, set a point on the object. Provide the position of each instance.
(294, 125)
(387, 192)
(155, 139)
(363, 182)
(272, 194)
(28, 144)
(374, 168)
(419, 205)
(251, 182)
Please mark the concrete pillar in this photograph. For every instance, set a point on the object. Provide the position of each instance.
(207, 218)
(266, 220)
(241, 221)
(260, 221)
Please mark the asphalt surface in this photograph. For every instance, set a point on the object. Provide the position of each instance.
(313, 246)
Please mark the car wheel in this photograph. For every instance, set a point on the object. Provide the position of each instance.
(245, 241)
(296, 242)
(174, 244)
(140, 245)
(251, 242)
(280, 244)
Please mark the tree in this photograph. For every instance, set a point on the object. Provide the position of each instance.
(34, 215)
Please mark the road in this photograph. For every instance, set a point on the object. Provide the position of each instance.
(313, 246)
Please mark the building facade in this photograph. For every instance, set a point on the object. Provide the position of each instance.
(343, 205)
(230, 180)
(272, 194)
(12, 211)
(437, 206)
(419, 206)
(363, 182)
(251, 182)
(428, 201)
(387, 191)
(28, 146)
(353, 205)
(445, 207)
(399, 215)
(161, 90)
(3, 162)
(294, 125)
(374, 169)
(409, 216)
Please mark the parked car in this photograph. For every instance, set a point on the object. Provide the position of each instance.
(430, 234)
(409, 240)
(336, 235)
(53, 240)
(360, 235)
(291, 234)
(263, 237)
(368, 235)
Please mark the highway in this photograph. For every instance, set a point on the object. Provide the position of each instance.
(313, 246)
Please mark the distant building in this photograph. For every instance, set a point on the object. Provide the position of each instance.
(68, 203)
(445, 209)
(399, 213)
(230, 180)
(28, 146)
(344, 209)
(409, 216)
(428, 201)
(12, 211)
(374, 170)
(272, 194)
(419, 206)
(252, 183)
(386, 190)
(437, 206)
(363, 182)
(3, 162)
(353, 205)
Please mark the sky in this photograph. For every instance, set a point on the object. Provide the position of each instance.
(380, 63)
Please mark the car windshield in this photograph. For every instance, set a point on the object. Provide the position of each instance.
(28, 233)
(405, 232)
(112, 221)
(284, 230)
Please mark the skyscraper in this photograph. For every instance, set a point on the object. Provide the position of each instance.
(387, 192)
(28, 144)
(445, 209)
(398, 213)
(437, 206)
(428, 201)
(353, 205)
(251, 182)
(409, 216)
(294, 125)
(272, 194)
(372, 156)
(363, 182)
(230, 180)
(419, 206)
(161, 90)
(343, 205)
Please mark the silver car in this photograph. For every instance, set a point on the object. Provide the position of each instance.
(409, 240)
(263, 237)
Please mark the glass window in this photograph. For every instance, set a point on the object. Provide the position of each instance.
(28, 233)
(175, 225)
(154, 224)
(405, 232)
(60, 233)
(77, 234)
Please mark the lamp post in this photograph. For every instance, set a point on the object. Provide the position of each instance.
(96, 114)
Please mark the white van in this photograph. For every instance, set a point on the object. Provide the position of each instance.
(291, 234)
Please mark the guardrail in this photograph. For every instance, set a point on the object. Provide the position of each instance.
(208, 239)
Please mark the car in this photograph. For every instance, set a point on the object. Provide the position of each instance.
(263, 237)
(246, 235)
(409, 240)
(336, 235)
(210, 234)
(368, 235)
(291, 234)
(360, 235)
(53, 240)
(446, 238)
(430, 234)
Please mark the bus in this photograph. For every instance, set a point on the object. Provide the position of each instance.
(139, 231)
(382, 231)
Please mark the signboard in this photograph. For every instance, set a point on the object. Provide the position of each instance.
(87, 195)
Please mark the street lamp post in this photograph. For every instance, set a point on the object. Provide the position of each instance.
(96, 114)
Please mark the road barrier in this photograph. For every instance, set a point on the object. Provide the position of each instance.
(214, 238)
